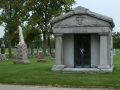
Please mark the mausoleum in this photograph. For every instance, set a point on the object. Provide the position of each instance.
(83, 41)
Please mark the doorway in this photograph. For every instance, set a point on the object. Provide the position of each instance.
(82, 51)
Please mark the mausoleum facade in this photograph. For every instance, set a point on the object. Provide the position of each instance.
(83, 41)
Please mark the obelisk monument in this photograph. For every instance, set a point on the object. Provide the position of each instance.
(21, 49)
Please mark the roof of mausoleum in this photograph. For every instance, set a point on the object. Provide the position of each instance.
(83, 11)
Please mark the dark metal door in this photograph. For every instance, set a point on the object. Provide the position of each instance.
(82, 50)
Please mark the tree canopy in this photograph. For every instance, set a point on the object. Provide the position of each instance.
(35, 13)
(44, 10)
(10, 17)
(116, 39)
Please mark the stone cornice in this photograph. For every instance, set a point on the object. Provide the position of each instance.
(83, 11)
(74, 30)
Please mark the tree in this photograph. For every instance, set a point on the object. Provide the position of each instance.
(44, 10)
(11, 17)
(116, 39)
(52, 43)
(32, 35)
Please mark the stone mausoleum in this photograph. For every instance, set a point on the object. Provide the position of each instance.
(83, 41)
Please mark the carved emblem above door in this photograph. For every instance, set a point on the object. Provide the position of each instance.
(79, 20)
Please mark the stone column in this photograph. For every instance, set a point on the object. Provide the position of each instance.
(59, 53)
(114, 52)
(2, 55)
(2, 48)
(103, 51)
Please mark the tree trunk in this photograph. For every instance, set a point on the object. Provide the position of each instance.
(44, 42)
(9, 46)
(49, 44)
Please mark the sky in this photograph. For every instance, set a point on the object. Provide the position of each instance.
(109, 8)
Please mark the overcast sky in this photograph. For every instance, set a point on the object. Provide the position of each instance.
(110, 8)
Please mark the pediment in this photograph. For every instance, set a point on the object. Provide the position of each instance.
(81, 16)
(81, 20)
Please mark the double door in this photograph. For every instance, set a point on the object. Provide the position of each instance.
(82, 50)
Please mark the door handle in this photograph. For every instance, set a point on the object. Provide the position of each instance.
(82, 50)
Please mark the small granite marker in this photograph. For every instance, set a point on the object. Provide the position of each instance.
(32, 52)
(15, 50)
(53, 55)
(29, 54)
(37, 52)
(40, 56)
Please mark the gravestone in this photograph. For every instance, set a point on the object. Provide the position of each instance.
(83, 41)
(48, 50)
(41, 49)
(53, 55)
(40, 56)
(29, 54)
(21, 50)
(2, 55)
(37, 52)
(32, 52)
(15, 50)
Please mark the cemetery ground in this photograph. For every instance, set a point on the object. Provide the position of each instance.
(39, 73)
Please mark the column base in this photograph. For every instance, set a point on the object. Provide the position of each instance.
(103, 66)
(89, 70)
(58, 67)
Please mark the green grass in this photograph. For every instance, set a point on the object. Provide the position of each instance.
(12, 49)
(39, 73)
(6, 50)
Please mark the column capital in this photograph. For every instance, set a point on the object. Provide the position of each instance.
(58, 35)
(103, 34)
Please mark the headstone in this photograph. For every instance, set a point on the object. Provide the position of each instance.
(21, 50)
(2, 55)
(40, 49)
(29, 55)
(37, 52)
(41, 56)
(15, 50)
(53, 55)
(48, 50)
(32, 52)
(2, 48)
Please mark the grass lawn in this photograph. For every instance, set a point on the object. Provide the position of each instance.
(39, 73)
(6, 50)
